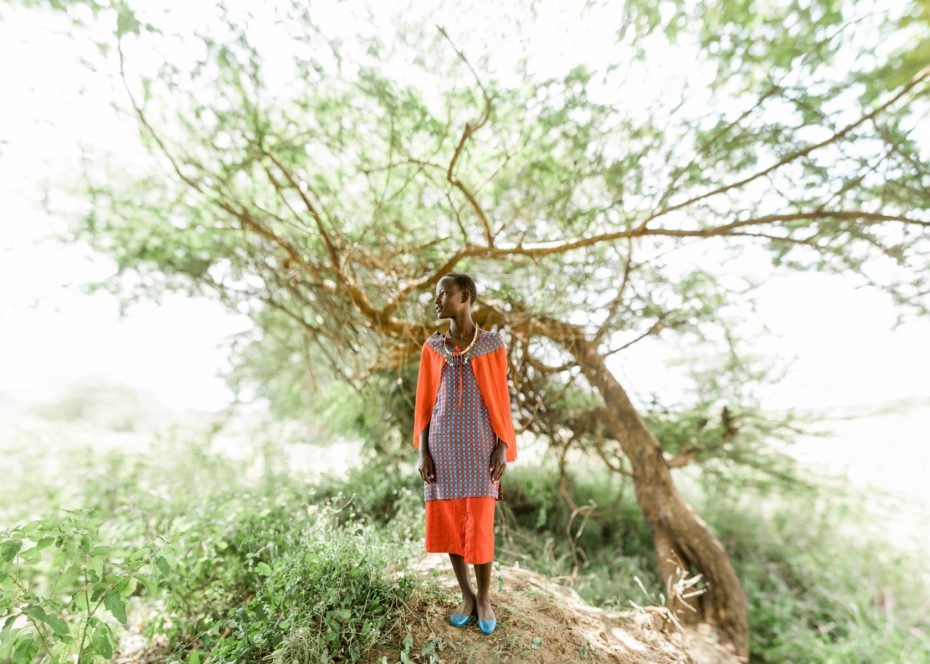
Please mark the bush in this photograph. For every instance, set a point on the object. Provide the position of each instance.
(820, 587)
(55, 575)
(329, 598)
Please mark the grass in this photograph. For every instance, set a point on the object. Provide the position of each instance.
(281, 568)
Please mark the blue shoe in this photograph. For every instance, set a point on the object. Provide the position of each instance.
(487, 626)
(459, 619)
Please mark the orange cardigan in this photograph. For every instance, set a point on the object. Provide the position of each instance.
(490, 371)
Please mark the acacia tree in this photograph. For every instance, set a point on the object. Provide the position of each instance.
(327, 206)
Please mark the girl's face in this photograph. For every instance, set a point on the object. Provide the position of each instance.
(449, 300)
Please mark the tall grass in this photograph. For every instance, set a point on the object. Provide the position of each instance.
(242, 567)
(235, 569)
(822, 584)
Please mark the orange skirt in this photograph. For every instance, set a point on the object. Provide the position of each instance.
(464, 526)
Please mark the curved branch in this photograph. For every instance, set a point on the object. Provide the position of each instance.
(470, 129)
(918, 77)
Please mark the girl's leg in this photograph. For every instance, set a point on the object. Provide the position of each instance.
(483, 575)
(461, 573)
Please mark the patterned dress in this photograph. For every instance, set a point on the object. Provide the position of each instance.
(461, 438)
(460, 502)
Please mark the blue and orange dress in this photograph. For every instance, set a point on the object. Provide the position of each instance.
(464, 399)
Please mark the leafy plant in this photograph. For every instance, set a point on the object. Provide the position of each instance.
(55, 575)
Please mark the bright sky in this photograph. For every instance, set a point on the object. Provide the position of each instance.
(51, 335)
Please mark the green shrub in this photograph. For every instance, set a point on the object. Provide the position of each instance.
(58, 577)
(316, 590)
(234, 569)
(820, 587)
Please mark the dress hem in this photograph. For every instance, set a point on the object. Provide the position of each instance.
(457, 553)
(463, 527)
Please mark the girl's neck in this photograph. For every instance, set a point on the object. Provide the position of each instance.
(462, 329)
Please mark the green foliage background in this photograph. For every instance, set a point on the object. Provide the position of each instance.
(319, 195)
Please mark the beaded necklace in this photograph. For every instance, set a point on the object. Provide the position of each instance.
(450, 354)
(459, 367)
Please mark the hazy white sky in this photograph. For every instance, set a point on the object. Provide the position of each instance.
(52, 335)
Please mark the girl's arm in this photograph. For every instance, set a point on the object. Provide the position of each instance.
(425, 462)
(424, 441)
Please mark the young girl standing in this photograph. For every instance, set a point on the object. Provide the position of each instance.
(463, 429)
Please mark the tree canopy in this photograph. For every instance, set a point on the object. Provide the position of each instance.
(323, 187)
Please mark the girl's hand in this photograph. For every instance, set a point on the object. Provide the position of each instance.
(427, 469)
(498, 460)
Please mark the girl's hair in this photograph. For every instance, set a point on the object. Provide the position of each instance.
(465, 283)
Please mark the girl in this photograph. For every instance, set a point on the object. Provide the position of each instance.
(463, 429)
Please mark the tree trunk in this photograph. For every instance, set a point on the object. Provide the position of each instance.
(682, 540)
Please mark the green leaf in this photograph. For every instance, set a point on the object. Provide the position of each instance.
(146, 581)
(114, 604)
(95, 564)
(8, 550)
(7, 636)
(101, 642)
(162, 565)
(79, 602)
(127, 22)
(34, 611)
(127, 585)
(59, 626)
(66, 580)
(263, 569)
(35, 526)
(99, 589)
(26, 650)
(30, 555)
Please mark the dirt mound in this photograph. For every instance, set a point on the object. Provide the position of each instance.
(542, 622)
(538, 621)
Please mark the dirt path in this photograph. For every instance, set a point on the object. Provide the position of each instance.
(542, 622)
